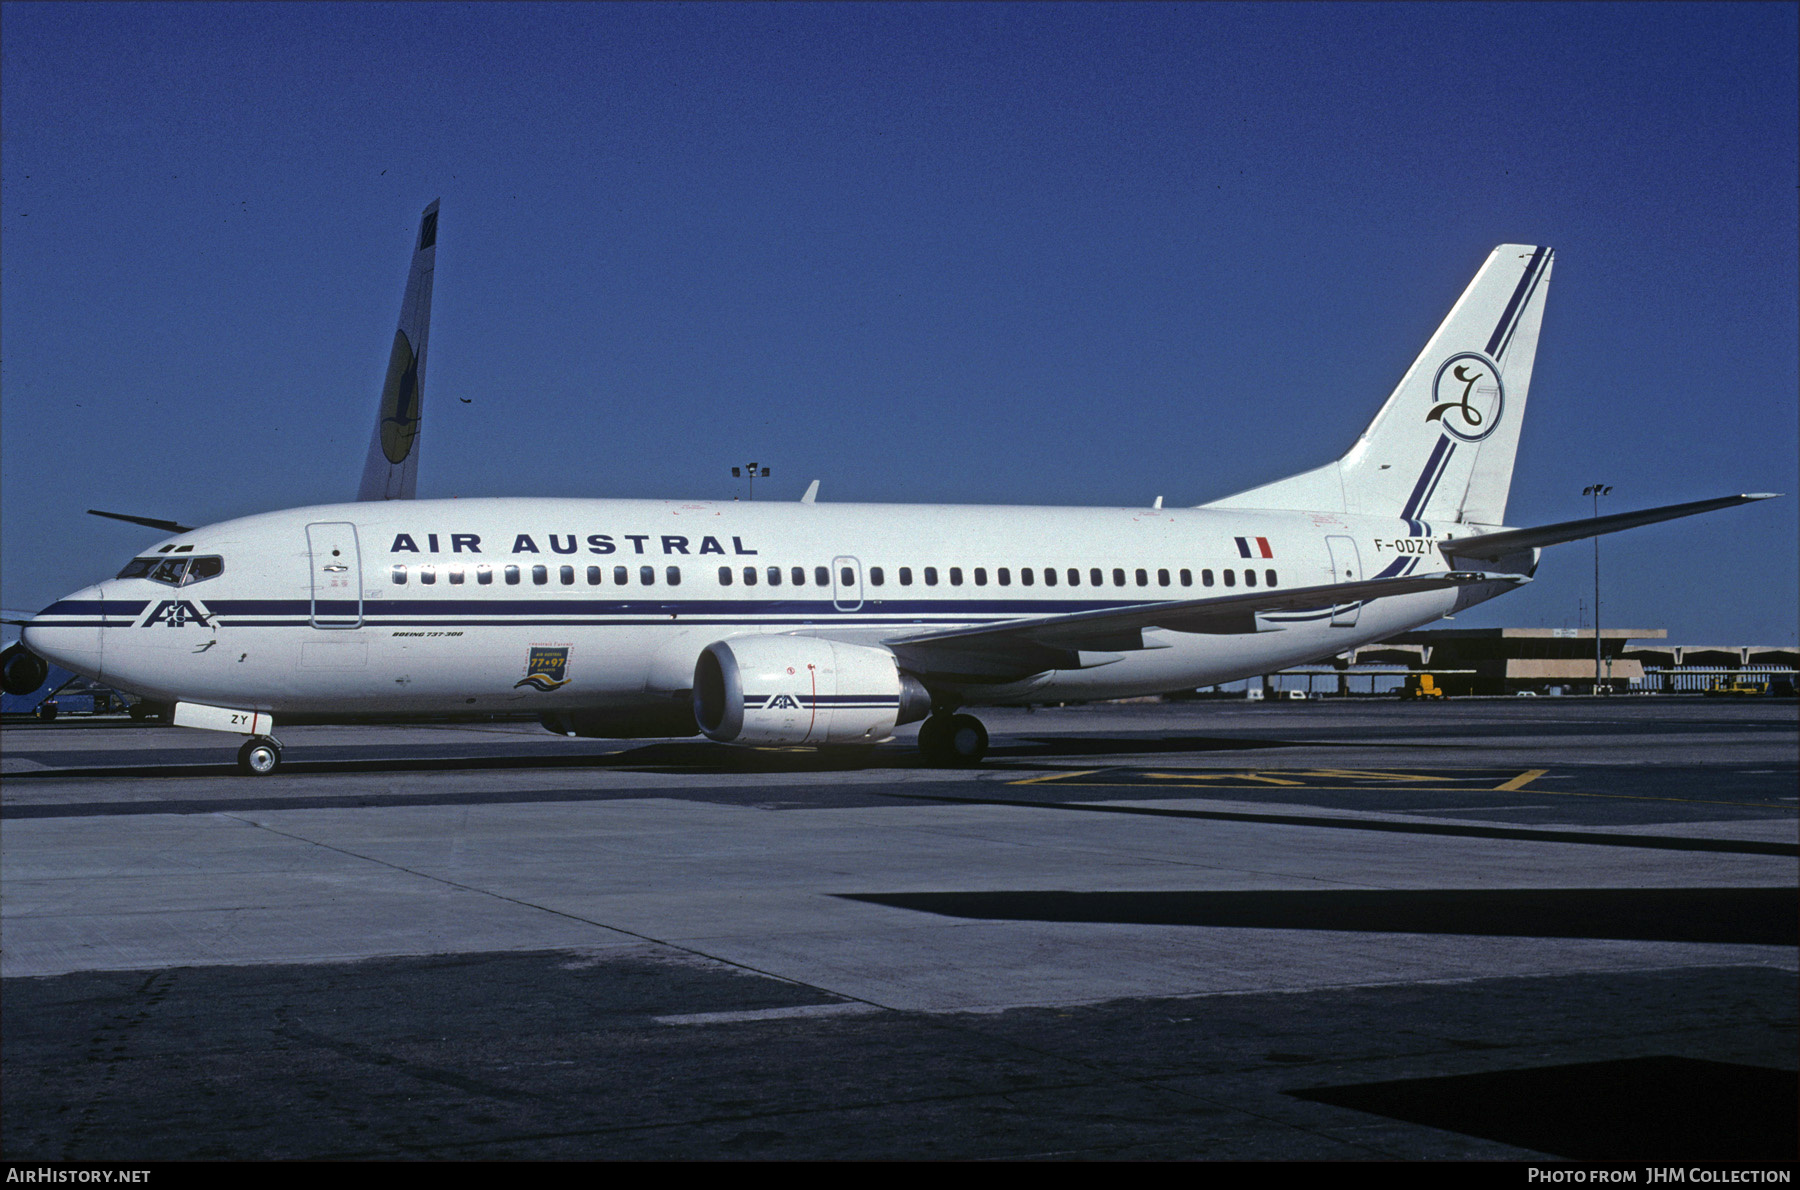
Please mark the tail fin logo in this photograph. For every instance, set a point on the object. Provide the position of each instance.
(1467, 397)
(400, 401)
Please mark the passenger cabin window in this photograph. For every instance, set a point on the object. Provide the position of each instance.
(1005, 576)
(540, 575)
(456, 575)
(1162, 578)
(724, 576)
(428, 575)
(512, 576)
(1118, 577)
(848, 577)
(1143, 578)
(1095, 578)
(931, 576)
(956, 576)
(673, 574)
(906, 576)
(798, 575)
(774, 576)
(1187, 578)
(1074, 577)
(647, 575)
(981, 576)
(1027, 576)
(1206, 578)
(1269, 577)
(1230, 578)
(567, 575)
(749, 576)
(1049, 576)
(822, 576)
(1249, 578)
(875, 576)
(594, 575)
(620, 576)
(399, 575)
(484, 575)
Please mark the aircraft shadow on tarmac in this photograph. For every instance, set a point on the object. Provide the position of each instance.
(1660, 1108)
(1754, 916)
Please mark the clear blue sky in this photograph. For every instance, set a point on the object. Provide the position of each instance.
(997, 253)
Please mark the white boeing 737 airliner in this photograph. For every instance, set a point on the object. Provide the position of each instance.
(820, 624)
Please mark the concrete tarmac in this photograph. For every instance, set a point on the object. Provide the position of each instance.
(1325, 930)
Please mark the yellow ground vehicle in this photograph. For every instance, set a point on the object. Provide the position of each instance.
(1737, 686)
(1421, 686)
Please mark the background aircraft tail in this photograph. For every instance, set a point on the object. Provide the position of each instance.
(392, 470)
(1442, 447)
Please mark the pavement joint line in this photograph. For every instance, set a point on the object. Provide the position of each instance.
(486, 892)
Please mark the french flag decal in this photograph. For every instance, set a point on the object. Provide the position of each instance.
(1261, 549)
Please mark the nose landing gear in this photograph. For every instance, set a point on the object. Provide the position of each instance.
(953, 741)
(260, 756)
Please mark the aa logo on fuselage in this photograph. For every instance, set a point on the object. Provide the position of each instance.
(1466, 397)
(783, 702)
(176, 613)
(546, 669)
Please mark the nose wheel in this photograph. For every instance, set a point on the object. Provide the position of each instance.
(953, 741)
(260, 756)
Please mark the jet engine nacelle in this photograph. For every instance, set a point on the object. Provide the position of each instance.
(802, 690)
(22, 671)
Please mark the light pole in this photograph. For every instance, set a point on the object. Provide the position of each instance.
(751, 470)
(1596, 491)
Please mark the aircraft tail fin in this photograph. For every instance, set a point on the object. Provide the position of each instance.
(392, 469)
(1443, 445)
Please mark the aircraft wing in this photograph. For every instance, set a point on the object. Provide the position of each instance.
(1496, 545)
(1017, 648)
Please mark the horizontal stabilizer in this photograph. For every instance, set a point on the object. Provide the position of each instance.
(150, 521)
(1497, 545)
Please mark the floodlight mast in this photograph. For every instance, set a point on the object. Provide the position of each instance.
(1597, 490)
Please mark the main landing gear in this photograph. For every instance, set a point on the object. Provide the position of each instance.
(953, 741)
(260, 756)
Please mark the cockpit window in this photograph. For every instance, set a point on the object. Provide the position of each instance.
(174, 571)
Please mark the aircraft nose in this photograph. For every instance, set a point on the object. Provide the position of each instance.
(67, 633)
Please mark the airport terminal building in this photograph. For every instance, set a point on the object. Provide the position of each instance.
(1544, 661)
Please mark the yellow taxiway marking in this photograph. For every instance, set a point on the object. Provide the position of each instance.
(1511, 786)
(1222, 777)
(1054, 777)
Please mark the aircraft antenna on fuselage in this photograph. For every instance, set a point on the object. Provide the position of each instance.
(392, 469)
